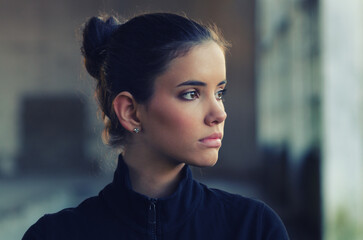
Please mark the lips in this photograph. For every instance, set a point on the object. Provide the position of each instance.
(212, 141)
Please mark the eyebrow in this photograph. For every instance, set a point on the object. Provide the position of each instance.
(198, 83)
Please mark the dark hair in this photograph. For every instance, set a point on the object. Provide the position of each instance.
(129, 56)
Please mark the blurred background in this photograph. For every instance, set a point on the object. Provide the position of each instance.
(293, 136)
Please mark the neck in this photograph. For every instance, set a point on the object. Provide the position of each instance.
(151, 176)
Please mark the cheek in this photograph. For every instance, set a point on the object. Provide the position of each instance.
(175, 119)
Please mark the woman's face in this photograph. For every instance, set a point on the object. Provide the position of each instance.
(184, 120)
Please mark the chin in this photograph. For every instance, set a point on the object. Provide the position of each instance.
(211, 164)
(201, 159)
(208, 162)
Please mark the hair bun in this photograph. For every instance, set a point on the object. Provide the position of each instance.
(96, 35)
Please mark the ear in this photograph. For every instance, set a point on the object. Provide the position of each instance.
(125, 108)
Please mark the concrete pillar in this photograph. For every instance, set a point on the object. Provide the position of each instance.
(342, 64)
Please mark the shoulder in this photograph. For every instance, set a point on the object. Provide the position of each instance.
(67, 223)
(233, 201)
(245, 214)
(53, 226)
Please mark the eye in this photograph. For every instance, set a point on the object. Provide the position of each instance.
(220, 94)
(190, 95)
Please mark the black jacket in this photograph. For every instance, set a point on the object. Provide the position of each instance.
(193, 211)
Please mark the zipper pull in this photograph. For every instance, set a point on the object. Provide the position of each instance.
(152, 219)
(152, 212)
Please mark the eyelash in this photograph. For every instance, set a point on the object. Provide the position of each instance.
(196, 94)
(222, 92)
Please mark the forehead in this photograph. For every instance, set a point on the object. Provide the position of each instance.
(204, 62)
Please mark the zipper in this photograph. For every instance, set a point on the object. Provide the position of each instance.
(152, 218)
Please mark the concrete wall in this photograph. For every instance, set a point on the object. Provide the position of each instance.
(342, 47)
(310, 99)
(288, 78)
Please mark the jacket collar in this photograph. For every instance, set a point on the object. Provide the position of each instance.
(133, 208)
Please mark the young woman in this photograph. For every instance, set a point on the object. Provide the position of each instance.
(160, 83)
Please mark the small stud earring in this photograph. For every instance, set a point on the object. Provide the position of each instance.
(136, 130)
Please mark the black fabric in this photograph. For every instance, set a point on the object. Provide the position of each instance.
(193, 211)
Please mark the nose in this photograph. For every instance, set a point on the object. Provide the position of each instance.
(216, 114)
